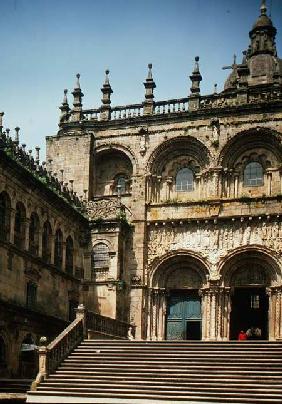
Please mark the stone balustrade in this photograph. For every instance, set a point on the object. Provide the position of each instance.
(187, 104)
(86, 322)
(127, 111)
(109, 326)
(171, 106)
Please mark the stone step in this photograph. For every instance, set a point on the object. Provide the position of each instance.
(164, 384)
(92, 391)
(176, 359)
(152, 373)
(166, 372)
(135, 377)
(105, 398)
(169, 365)
(184, 354)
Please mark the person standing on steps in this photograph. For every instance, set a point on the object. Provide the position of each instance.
(242, 336)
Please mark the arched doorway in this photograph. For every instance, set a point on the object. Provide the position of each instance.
(249, 302)
(184, 315)
(175, 309)
(253, 277)
(28, 357)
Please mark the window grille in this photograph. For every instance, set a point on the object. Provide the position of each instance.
(100, 256)
(184, 180)
(120, 185)
(254, 301)
(253, 174)
(31, 295)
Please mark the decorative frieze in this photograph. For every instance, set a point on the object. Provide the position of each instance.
(213, 241)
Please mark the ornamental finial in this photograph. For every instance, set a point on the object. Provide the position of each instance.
(77, 81)
(263, 8)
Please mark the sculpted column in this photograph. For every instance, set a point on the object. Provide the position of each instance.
(205, 313)
(226, 309)
(213, 313)
(168, 187)
(148, 188)
(236, 185)
(275, 312)
(161, 314)
(152, 315)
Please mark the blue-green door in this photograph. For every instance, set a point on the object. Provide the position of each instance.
(183, 315)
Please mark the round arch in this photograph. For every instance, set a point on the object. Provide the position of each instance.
(180, 261)
(257, 255)
(111, 163)
(174, 148)
(248, 141)
(115, 147)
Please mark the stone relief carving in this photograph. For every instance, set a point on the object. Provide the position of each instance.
(212, 241)
(105, 208)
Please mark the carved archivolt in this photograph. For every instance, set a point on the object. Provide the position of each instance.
(185, 146)
(258, 139)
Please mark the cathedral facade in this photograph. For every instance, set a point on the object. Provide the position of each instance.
(165, 214)
(198, 182)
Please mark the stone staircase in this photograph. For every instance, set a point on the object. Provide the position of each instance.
(112, 371)
(14, 390)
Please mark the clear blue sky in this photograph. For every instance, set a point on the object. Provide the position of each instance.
(44, 43)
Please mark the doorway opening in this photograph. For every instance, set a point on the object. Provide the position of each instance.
(249, 312)
(183, 315)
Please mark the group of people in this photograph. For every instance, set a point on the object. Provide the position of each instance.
(251, 333)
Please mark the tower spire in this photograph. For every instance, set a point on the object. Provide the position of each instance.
(149, 85)
(64, 108)
(77, 100)
(196, 78)
(106, 98)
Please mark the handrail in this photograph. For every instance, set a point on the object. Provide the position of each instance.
(52, 355)
(109, 326)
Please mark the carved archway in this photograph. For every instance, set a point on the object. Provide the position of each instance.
(176, 280)
(165, 162)
(253, 276)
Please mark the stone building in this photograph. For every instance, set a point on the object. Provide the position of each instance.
(200, 183)
(180, 231)
(41, 256)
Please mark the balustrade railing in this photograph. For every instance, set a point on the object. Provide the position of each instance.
(91, 114)
(61, 347)
(171, 106)
(109, 326)
(180, 105)
(52, 355)
(127, 111)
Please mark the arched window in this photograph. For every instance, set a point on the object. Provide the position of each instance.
(253, 174)
(46, 242)
(19, 228)
(120, 184)
(58, 258)
(184, 180)
(34, 234)
(69, 255)
(5, 206)
(100, 256)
